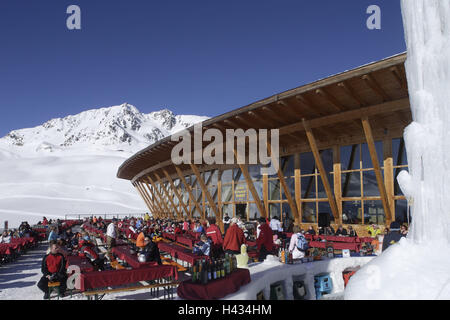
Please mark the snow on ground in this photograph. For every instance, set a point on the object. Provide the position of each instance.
(53, 186)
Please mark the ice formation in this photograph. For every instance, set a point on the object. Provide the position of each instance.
(417, 267)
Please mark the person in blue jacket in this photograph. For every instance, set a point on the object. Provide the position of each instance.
(53, 235)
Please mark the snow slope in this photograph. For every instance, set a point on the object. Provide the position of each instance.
(69, 165)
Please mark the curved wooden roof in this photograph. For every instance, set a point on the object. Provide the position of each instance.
(332, 106)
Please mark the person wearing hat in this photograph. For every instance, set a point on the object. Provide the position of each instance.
(393, 236)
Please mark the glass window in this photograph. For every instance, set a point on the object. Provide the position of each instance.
(401, 211)
(308, 187)
(325, 207)
(309, 212)
(327, 159)
(351, 212)
(350, 157)
(374, 212)
(320, 186)
(227, 208)
(274, 189)
(286, 214)
(226, 193)
(206, 175)
(288, 166)
(307, 163)
(274, 210)
(253, 211)
(259, 190)
(291, 186)
(399, 152)
(237, 174)
(370, 184)
(255, 171)
(366, 159)
(227, 176)
(351, 184)
(215, 175)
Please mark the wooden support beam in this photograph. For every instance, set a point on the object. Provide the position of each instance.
(398, 77)
(289, 111)
(373, 84)
(175, 208)
(307, 105)
(392, 106)
(161, 197)
(330, 99)
(157, 195)
(284, 185)
(205, 190)
(144, 198)
(377, 169)
(352, 93)
(175, 190)
(189, 190)
(388, 164)
(266, 194)
(337, 178)
(323, 173)
(298, 188)
(155, 200)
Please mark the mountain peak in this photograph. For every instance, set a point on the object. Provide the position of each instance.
(121, 127)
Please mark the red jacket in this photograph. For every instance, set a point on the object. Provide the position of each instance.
(214, 233)
(265, 237)
(234, 238)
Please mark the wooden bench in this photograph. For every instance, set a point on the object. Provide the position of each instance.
(53, 286)
(167, 290)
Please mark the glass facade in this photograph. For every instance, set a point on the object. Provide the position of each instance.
(348, 168)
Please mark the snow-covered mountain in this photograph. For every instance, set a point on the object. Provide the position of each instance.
(120, 128)
(69, 165)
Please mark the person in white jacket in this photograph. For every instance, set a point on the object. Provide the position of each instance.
(296, 253)
(5, 237)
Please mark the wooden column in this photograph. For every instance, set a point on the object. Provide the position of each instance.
(205, 190)
(266, 194)
(337, 178)
(323, 173)
(298, 189)
(175, 190)
(175, 208)
(189, 189)
(376, 165)
(388, 164)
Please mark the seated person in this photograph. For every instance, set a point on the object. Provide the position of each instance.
(178, 229)
(53, 269)
(5, 237)
(341, 231)
(351, 232)
(203, 247)
(151, 251)
(311, 231)
(329, 231)
(88, 250)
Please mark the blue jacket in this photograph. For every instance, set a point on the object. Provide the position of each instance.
(52, 236)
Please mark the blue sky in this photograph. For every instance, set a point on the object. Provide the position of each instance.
(203, 57)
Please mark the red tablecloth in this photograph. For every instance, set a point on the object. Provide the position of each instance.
(180, 252)
(111, 278)
(170, 236)
(123, 253)
(335, 245)
(215, 289)
(84, 264)
(187, 241)
(195, 235)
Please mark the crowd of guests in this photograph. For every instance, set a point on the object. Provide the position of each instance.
(24, 231)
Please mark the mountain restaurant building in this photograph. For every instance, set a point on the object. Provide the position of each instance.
(341, 148)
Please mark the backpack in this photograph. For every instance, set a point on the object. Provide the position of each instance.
(302, 243)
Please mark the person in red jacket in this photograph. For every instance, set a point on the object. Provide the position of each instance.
(213, 232)
(53, 269)
(234, 238)
(265, 239)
